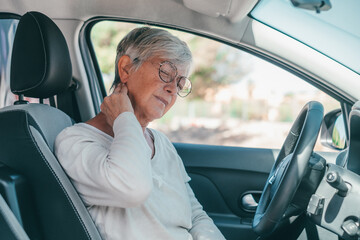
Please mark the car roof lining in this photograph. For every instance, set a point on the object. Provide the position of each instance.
(230, 26)
(232, 10)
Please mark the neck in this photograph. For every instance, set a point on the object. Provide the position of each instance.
(99, 121)
(143, 122)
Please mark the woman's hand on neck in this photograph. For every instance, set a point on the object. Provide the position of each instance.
(99, 121)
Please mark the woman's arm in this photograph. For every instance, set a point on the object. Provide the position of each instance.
(203, 227)
(120, 176)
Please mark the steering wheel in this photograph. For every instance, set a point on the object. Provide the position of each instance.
(289, 169)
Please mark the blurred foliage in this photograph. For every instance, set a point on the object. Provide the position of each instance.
(201, 82)
(285, 113)
(105, 37)
(338, 135)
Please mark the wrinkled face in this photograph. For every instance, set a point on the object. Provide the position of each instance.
(150, 96)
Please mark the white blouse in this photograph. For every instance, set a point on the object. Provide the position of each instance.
(129, 195)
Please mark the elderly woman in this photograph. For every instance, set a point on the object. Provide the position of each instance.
(130, 177)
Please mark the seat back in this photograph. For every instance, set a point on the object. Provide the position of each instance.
(40, 68)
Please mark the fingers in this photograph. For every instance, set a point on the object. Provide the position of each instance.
(121, 88)
(124, 89)
(116, 103)
(118, 88)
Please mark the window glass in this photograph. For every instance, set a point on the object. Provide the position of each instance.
(335, 32)
(7, 33)
(237, 99)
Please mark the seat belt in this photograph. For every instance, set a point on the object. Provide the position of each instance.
(66, 101)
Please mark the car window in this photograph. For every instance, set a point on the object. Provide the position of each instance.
(7, 33)
(237, 99)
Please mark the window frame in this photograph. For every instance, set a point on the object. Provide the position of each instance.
(8, 15)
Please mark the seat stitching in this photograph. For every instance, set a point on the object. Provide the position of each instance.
(50, 168)
(59, 182)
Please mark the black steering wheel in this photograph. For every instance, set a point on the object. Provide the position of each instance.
(289, 169)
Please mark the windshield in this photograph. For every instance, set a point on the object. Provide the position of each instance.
(335, 33)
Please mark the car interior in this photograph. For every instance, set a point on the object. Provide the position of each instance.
(293, 192)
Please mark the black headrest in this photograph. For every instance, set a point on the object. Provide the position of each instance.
(40, 63)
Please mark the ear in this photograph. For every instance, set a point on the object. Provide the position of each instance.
(123, 68)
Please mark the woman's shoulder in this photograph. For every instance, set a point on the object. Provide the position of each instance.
(82, 130)
(79, 137)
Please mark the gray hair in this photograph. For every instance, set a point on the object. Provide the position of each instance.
(142, 43)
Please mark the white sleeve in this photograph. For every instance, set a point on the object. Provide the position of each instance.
(119, 177)
(203, 227)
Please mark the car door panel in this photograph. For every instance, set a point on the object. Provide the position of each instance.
(221, 176)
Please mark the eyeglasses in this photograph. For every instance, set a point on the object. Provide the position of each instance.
(168, 73)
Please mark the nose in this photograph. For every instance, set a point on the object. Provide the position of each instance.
(171, 87)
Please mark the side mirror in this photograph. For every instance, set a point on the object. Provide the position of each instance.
(333, 133)
(317, 5)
